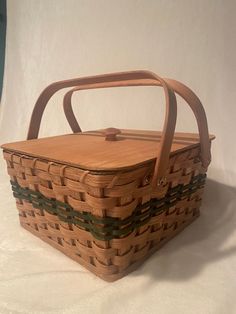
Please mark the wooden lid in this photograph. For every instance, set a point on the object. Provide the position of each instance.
(90, 150)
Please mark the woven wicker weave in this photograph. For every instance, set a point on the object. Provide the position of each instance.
(109, 220)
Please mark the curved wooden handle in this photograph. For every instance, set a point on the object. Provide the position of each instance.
(134, 78)
(131, 78)
(186, 93)
(194, 102)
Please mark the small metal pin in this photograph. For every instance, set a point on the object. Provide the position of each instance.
(162, 181)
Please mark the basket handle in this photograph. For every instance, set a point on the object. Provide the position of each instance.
(134, 78)
(182, 90)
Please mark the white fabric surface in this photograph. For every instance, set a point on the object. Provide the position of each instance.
(193, 41)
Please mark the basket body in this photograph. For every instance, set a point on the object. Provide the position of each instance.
(109, 223)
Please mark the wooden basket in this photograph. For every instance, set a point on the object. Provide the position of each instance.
(110, 198)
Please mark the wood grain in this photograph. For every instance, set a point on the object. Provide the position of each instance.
(89, 150)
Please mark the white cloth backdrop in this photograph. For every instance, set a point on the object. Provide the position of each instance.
(192, 41)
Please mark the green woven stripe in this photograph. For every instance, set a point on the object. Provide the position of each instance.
(107, 228)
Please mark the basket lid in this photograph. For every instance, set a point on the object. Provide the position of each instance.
(90, 150)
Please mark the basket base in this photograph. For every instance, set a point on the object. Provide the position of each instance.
(112, 277)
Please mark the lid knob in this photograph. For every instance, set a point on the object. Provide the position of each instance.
(111, 134)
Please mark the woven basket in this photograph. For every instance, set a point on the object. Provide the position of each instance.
(110, 198)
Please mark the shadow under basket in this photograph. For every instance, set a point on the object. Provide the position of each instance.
(109, 198)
